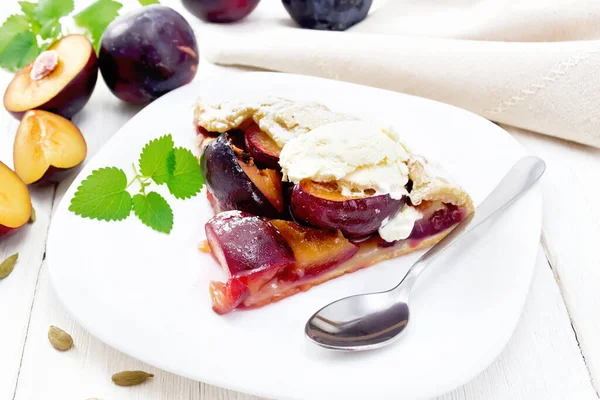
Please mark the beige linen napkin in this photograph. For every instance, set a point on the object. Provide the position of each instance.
(533, 64)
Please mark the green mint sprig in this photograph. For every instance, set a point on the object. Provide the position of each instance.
(104, 194)
(24, 36)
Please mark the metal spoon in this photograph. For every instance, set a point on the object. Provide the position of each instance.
(373, 320)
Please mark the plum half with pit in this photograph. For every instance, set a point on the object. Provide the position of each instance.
(147, 53)
(47, 146)
(251, 252)
(60, 80)
(15, 203)
(333, 15)
(220, 10)
(236, 183)
(322, 205)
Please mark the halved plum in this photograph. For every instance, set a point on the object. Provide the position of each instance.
(46, 147)
(248, 247)
(262, 148)
(61, 79)
(315, 250)
(15, 202)
(237, 184)
(322, 205)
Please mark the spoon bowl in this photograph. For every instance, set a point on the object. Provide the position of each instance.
(368, 321)
(359, 322)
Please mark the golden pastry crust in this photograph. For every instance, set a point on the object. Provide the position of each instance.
(281, 119)
(431, 183)
(222, 117)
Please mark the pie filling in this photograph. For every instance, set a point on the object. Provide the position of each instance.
(289, 216)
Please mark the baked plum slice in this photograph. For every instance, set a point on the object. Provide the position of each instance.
(249, 249)
(436, 221)
(315, 250)
(236, 183)
(323, 206)
(262, 148)
(226, 296)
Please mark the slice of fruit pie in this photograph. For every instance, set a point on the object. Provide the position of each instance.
(302, 195)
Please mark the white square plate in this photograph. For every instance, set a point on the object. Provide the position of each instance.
(146, 293)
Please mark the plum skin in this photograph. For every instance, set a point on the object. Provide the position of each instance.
(248, 247)
(263, 245)
(5, 231)
(55, 175)
(355, 218)
(220, 10)
(147, 53)
(440, 220)
(334, 15)
(229, 184)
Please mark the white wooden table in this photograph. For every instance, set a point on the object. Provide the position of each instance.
(553, 354)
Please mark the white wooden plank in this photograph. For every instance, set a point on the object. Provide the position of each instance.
(17, 290)
(572, 233)
(542, 359)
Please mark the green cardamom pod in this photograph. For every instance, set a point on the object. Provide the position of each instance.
(130, 378)
(59, 339)
(32, 216)
(7, 266)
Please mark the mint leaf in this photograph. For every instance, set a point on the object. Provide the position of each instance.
(20, 51)
(50, 30)
(52, 10)
(157, 160)
(28, 9)
(102, 196)
(13, 25)
(96, 18)
(154, 211)
(148, 2)
(186, 180)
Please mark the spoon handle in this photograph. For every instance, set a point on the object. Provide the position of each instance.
(517, 181)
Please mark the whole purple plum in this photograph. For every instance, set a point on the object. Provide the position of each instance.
(147, 53)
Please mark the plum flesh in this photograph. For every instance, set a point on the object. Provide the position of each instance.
(315, 250)
(147, 53)
(322, 206)
(46, 147)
